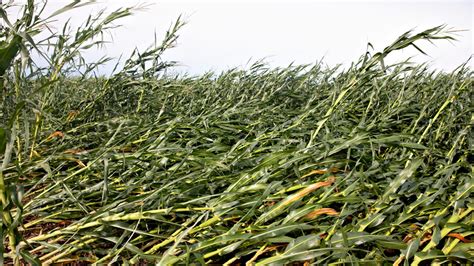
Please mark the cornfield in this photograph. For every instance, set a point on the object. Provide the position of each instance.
(303, 165)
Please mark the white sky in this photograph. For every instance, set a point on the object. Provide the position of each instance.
(224, 34)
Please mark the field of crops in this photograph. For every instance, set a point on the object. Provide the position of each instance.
(310, 165)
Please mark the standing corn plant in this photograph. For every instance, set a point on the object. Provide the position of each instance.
(14, 38)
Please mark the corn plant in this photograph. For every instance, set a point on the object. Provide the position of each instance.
(310, 164)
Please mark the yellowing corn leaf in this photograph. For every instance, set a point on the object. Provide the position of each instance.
(279, 208)
(460, 237)
(316, 213)
(55, 134)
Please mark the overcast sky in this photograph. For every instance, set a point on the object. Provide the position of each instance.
(224, 34)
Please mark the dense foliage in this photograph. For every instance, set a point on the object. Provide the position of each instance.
(308, 164)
